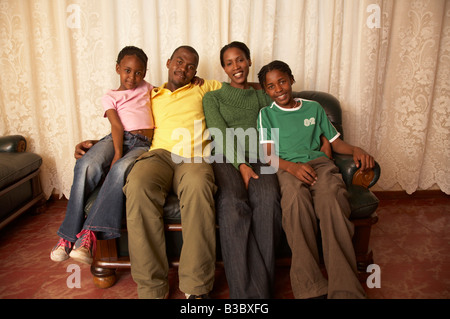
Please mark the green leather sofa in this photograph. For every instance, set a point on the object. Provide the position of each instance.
(20, 187)
(113, 254)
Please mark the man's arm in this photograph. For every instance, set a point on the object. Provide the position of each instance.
(83, 147)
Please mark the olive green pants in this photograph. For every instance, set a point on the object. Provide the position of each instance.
(302, 208)
(153, 176)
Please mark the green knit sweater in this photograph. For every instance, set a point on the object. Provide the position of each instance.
(234, 108)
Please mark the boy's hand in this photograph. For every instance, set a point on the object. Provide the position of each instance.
(247, 173)
(304, 172)
(197, 81)
(367, 161)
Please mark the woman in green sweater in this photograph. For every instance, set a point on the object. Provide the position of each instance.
(248, 201)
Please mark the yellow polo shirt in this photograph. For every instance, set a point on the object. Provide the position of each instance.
(179, 119)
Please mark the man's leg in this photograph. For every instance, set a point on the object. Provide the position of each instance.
(146, 189)
(195, 188)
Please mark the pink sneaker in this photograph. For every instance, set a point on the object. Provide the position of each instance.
(61, 251)
(84, 248)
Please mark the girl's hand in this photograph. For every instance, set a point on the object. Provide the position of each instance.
(247, 173)
(115, 159)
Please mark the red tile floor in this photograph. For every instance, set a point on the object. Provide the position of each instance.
(411, 245)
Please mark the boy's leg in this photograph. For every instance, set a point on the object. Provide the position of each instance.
(301, 228)
(333, 209)
(88, 172)
(146, 189)
(195, 188)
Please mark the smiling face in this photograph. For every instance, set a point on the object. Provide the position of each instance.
(236, 66)
(182, 68)
(278, 86)
(131, 71)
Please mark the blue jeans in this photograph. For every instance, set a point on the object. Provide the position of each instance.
(250, 229)
(106, 214)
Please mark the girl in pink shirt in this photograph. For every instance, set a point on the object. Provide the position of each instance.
(129, 111)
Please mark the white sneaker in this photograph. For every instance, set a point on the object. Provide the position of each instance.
(84, 248)
(61, 251)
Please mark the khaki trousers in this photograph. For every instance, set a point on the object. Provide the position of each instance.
(153, 176)
(302, 209)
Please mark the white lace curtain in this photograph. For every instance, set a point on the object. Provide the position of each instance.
(387, 61)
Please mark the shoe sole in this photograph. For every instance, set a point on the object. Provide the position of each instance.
(80, 257)
(58, 258)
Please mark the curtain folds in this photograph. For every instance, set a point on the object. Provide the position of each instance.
(387, 61)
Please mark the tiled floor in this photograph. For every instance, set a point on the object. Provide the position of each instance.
(411, 245)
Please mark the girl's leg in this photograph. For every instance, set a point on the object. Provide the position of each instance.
(89, 171)
(105, 216)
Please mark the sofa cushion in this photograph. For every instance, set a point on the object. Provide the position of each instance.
(15, 166)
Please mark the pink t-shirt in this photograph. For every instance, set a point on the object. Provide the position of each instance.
(133, 106)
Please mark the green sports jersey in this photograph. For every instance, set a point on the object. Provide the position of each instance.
(296, 132)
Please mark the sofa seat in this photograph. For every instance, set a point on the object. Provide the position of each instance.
(15, 166)
(20, 187)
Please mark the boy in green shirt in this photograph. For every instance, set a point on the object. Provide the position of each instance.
(312, 188)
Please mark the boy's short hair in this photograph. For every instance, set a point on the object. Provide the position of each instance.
(132, 50)
(235, 44)
(274, 65)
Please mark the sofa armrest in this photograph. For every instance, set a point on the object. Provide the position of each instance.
(13, 144)
(353, 175)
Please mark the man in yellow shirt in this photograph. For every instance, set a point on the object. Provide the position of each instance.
(170, 165)
(175, 162)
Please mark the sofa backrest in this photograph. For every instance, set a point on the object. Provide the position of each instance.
(331, 105)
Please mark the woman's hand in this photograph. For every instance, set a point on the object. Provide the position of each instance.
(247, 173)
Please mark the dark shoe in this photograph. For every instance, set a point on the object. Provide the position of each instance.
(205, 296)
